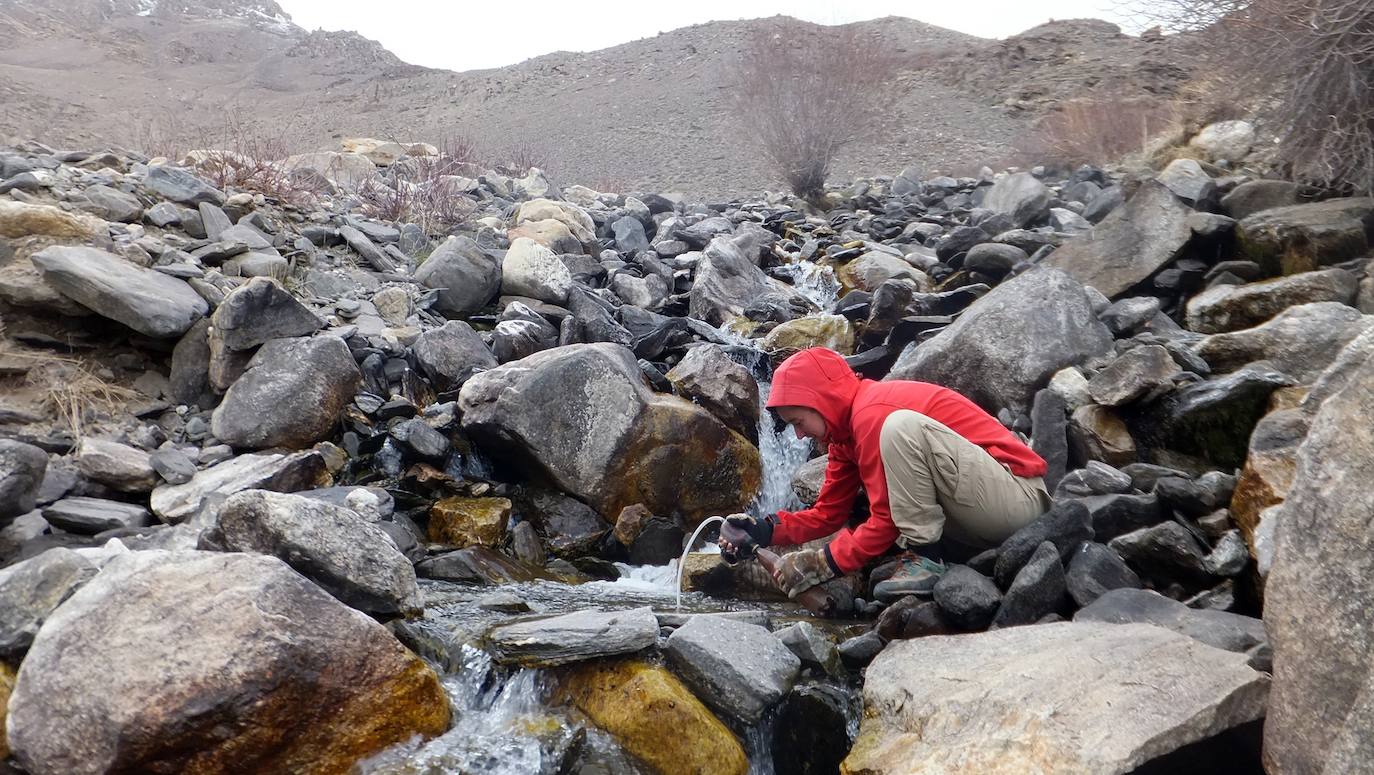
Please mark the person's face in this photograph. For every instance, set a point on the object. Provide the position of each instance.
(807, 423)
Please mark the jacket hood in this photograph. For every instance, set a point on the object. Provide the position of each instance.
(817, 379)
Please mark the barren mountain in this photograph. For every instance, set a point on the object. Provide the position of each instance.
(169, 75)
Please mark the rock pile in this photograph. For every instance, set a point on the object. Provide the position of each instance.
(212, 384)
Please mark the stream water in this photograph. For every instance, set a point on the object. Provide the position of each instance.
(505, 720)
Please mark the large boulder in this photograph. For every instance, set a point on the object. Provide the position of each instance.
(1068, 697)
(530, 269)
(175, 503)
(1300, 238)
(834, 332)
(574, 218)
(876, 267)
(260, 311)
(1233, 307)
(351, 557)
(583, 416)
(1020, 196)
(1129, 245)
(1009, 343)
(149, 302)
(466, 276)
(740, 669)
(1211, 419)
(290, 396)
(116, 465)
(181, 186)
(707, 376)
(727, 280)
(349, 170)
(22, 467)
(450, 354)
(31, 590)
(214, 663)
(1301, 342)
(655, 718)
(1316, 599)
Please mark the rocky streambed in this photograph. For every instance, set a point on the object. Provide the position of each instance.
(289, 485)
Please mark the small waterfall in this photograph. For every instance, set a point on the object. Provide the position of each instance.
(817, 283)
(782, 454)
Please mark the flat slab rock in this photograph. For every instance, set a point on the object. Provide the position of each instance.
(575, 637)
(739, 669)
(1069, 697)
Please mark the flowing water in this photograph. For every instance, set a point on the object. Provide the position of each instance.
(507, 721)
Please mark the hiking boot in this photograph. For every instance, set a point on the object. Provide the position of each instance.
(915, 576)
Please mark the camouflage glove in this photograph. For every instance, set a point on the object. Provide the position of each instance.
(800, 571)
(741, 535)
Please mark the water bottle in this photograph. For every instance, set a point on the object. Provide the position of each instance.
(816, 599)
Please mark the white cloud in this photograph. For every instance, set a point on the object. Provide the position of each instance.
(462, 35)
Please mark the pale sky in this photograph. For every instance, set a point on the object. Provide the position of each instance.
(473, 34)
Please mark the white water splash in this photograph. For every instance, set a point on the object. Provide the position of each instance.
(817, 283)
(782, 454)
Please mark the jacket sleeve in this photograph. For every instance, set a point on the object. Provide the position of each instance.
(833, 505)
(852, 549)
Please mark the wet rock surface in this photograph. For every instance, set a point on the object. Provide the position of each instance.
(739, 669)
(575, 637)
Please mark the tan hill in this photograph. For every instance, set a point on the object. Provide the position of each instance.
(168, 75)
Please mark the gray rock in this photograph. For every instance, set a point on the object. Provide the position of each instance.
(1097, 433)
(993, 259)
(290, 396)
(1020, 196)
(370, 503)
(1233, 307)
(1095, 570)
(1189, 182)
(521, 333)
(1117, 514)
(1220, 629)
(373, 255)
(149, 302)
(807, 481)
(450, 354)
(1138, 372)
(120, 466)
(1316, 610)
(351, 558)
(261, 311)
(739, 669)
(707, 376)
(1049, 434)
(88, 516)
(181, 186)
(421, 440)
(1213, 418)
(530, 269)
(1166, 551)
(582, 416)
(629, 235)
(1125, 316)
(814, 648)
(1253, 196)
(1300, 342)
(574, 637)
(1129, 245)
(467, 277)
(967, 597)
(214, 219)
(1008, 344)
(860, 650)
(31, 590)
(1096, 478)
(1037, 591)
(175, 503)
(22, 467)
(112, 204)
(190, 372)
(1072, 697)
(1300, 238)
(172, 465)
(727, 280)
(570, 527)
(179, 660)
(1066, 525)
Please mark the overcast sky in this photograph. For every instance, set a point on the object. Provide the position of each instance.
(472, 34)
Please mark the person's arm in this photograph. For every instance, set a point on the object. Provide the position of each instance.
(833, 505)
(852, 549)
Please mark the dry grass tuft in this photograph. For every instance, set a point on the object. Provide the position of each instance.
(70, 389)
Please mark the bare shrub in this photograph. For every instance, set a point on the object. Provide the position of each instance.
(1095, 130)
(522, 155)
(431, 196)
(1306, 67)
(804, 93)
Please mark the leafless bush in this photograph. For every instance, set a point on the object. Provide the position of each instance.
(520, 156)
(803, 93)
(1095, 130)
(1305, 66)
(431, 196)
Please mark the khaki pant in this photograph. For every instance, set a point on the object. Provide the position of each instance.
(939, 482)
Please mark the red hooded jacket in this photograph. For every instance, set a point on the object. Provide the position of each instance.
(854, 410)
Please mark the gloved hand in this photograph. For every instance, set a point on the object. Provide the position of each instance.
(741, 535)
(800, 571)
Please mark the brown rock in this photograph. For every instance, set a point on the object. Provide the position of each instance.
(6, 686)
(630, 522)
(655, 718)
(463, 522)
(18, 219)
(1269, 468)
(1097, 433)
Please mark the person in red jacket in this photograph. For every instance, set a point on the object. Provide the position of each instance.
(931, 461)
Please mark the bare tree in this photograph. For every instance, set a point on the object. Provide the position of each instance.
(1306, 66)
(804, 92)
